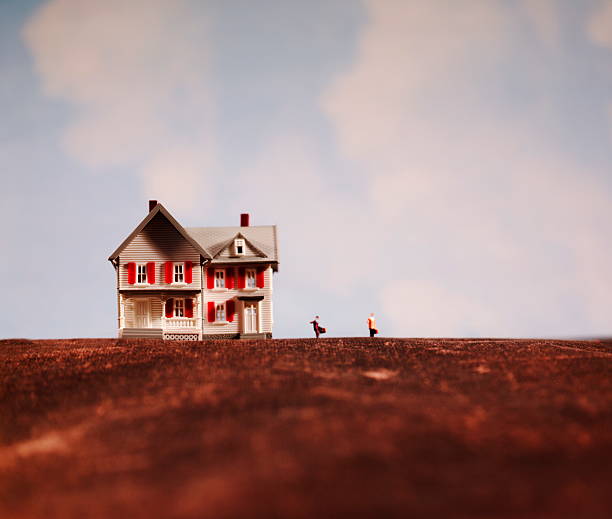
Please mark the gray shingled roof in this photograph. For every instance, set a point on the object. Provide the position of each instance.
(215, 239)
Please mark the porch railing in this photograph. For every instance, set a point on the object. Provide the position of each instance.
(180, 322)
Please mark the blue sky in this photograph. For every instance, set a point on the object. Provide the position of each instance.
(445, 165)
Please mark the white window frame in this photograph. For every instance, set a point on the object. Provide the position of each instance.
(142, 278)
(175, 268)
(220, 282)
(179, 308)
(239, 242)
(246, 279)
(220, 313)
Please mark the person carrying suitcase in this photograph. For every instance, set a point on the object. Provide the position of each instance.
(318, 329)
(372, 325)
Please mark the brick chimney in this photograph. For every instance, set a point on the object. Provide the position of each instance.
(152, 204)
(244, 220)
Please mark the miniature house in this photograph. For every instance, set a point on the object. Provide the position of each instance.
(195, 283)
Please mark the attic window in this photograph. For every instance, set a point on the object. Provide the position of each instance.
(238, 247)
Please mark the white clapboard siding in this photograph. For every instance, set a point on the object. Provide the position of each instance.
(156, 312)
(128, 309)
(221, 296)
(265, 306)
(158, 242)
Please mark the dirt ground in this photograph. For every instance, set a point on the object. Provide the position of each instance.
(437, 428)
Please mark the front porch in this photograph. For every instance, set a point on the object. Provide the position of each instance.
(168, 315)
(178, 315)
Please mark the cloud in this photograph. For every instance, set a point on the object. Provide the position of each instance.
(496, 227)
(599, 31)
(546, 19)
(136, 74)
(328, 232)
(599, 27)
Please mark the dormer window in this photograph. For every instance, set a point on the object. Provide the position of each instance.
(239, 247)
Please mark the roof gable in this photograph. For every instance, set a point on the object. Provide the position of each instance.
(214, 239)
(160, 209)
(260, 238)
(227, 246)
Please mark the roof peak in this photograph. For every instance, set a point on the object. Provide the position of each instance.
(155, 210)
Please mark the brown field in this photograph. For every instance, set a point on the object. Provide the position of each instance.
(437, 428)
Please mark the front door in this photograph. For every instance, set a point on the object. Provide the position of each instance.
(250, 318)
(142, 313)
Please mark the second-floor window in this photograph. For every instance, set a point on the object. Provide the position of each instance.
(179, 273)
(219, 278)
(250, 278)
(141, 274)
(179, 308)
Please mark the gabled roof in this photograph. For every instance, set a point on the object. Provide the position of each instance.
(160, 209)
(261, 238)
(218, 248)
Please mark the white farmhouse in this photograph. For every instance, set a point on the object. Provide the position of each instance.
(194, 283)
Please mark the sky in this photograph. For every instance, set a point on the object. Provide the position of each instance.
(446, 165)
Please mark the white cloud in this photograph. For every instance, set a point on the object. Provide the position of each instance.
(406, 49)
(136, 74)
(545, 18)
(599, 31)
(500, 231)
(599, 27)
(328, 233)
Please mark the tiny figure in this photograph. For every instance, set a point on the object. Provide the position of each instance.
(315, 326)
(372, 325)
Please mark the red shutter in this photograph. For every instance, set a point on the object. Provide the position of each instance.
(210, 278)
(169, 267)
(170, 308)
(229, 278)
(131, 272)
(230, 311)
(188, 272)
(151, 272)
(241, 277)
(188, 307)
(260, 276)
(211, 312)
